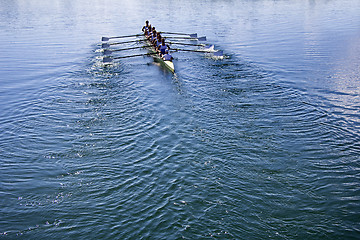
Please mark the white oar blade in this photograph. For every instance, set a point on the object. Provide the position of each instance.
(208, 48)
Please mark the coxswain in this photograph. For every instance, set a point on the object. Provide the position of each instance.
(167, 56)
(146, 27)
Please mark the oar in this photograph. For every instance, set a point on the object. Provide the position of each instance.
(189, 44)
(217, 53)
(186, 50)
(194, 35)
(108, 52)
(105, 39)
(106, 45)
(199, 39)
(109, 59)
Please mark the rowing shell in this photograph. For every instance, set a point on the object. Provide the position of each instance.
(167, 64)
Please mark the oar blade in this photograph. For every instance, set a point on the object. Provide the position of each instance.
(107, 60)
(105, 45)
(208, 47)
(107, 52)
(105, 39)
(219, 53)
(201, 39)
(193, 35)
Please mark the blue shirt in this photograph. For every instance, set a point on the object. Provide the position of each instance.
(167, 57)
(162, 49)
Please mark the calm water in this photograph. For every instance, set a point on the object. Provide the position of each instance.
(263, 144)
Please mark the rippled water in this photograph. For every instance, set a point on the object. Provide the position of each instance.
(263, 144)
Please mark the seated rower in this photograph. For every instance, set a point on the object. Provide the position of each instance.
(153, 36)
(157, 41)
(153, 29)
(167, 56)
(148, 36)
(146, 27)
(163, 47)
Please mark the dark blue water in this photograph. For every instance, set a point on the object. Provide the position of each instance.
(262, 144)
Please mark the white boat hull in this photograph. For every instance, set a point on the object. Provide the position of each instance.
(167, 64)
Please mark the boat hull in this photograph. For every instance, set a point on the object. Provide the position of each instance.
(167, 64)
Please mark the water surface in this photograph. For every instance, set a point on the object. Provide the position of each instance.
(263, 144)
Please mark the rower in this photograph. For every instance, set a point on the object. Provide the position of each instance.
(163, 47)
(146, 27)
(157, 41)
(167, 56)
(153, 36)
(149, 29)
(149, 34)
(159, 37)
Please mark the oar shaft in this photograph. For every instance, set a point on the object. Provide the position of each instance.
(108, 38)
(106, 45)
(123, 49)
(108, 52)
(187, 50)
(137, 55)
(109, 59)
(194, 35)
(117, 43)
(189, 38)
(217, 53)
(188, 44)
(180, 38)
